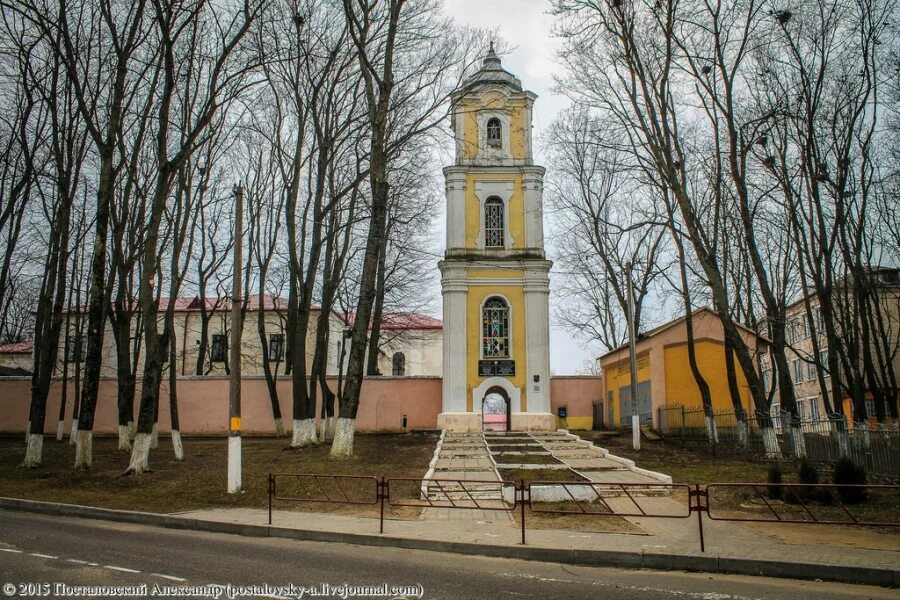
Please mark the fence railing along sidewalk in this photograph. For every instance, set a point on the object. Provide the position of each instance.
(819, 440)
(788, 503)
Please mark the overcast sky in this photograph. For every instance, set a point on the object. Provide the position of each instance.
(526, 25)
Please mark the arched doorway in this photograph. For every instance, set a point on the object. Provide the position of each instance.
(495, 410)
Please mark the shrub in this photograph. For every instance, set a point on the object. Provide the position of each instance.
(847, 472)
(775, 476)
(806, 473)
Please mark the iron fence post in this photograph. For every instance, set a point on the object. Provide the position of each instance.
(382, 494)
(522, 488)
(697, 506)
(682, 426)
(271, 492)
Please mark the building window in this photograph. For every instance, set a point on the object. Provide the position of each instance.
(495, 329)
(493, 223)
(276, 347)
(775, 412)
(219, 348)
(870, 408)
(801, 409)
(811, 370)
(798, 371)
(494, 130)
(764, 381)
(814, 408)
(806, 328)
(399, 364)
(823, 362)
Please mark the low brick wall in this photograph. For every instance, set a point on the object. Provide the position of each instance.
(203, 404)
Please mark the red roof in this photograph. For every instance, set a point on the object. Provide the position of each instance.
(17, 348)
(402, 321)
(409, 320)
(192, 303)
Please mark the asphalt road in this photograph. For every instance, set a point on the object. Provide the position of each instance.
(36, 550)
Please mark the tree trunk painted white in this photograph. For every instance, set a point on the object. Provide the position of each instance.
(154, 437)
(279, 428)
(326, 429)
(883, 430)
(865, 439)
(124, 438)
(177, 445)
(770, 441)
(304, 433)
(27, 431)
(33, 449)
(841, 437)
(131, 431)
(711, 432)
(343, 437)
(84, 453)
(140, 454)
(73, 435)
(798, 441)
(234, 464)
(60, 430)
(743, 428)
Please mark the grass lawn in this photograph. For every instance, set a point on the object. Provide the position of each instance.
(529, 475)
(199, 482)
(692, 464)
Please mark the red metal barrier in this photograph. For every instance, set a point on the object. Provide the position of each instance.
(593, 498)
(331, 489)
(741, 502)
(452, 493)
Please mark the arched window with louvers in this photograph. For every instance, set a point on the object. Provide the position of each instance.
(494, 224)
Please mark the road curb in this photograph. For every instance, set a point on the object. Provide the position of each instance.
(704, 563)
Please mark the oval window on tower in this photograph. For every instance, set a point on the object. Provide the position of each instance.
(494, 130)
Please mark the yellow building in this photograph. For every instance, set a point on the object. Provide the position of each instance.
(664, 373)
(495, 276)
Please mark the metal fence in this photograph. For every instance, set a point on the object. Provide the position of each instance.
(772, 436)
(789, 503)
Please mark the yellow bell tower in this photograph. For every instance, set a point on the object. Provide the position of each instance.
(495, 276)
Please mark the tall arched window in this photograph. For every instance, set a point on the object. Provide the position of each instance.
(399, 364)
(494, 130)
(493, 223)
(495, 328)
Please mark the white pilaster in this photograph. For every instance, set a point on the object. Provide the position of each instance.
(454, 289)
(537, 317)
(533, 184)
(455, 181)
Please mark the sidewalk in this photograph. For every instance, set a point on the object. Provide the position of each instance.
(660, 535)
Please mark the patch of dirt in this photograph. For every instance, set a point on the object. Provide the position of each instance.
(830, 535)
(199, 481)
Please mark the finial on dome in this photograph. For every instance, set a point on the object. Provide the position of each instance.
(491, 60)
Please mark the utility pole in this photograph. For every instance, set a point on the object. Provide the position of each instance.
(234, 391)
(632, 351)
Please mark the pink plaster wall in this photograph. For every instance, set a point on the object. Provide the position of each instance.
(203, 403)
(578, 393)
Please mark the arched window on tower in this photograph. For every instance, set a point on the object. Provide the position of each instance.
(494, 130)
(399, 364)
(495, 328)
(493, 223)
